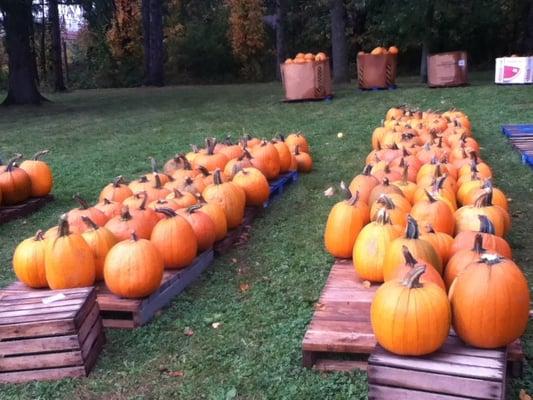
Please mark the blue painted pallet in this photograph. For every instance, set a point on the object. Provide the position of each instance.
(521, 138)
(278, 186)
(376, 89)
(517, 130)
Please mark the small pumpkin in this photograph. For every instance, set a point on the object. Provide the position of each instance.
(230, 150)
(297, 139)
(267, 158)
(109, 208)
(202, 225)
(117, 190)
(229, 196)
(364, 183)
(182, 199)
(441, 242)
(284, 153)
(75, 215)
(435, 212)
(460, 260)
(140, 185)
(15, 183)
(303, 160)
(100, 240)
(28, 261)
(211, 160)
(254, 184)
(40, 174)
(244, 161)
(218, 216)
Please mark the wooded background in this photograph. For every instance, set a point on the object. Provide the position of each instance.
(155, 42)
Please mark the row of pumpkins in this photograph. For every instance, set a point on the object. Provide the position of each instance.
(32, 178)
(159, 221)
(380, 51)
(425, 218)
(302, 58)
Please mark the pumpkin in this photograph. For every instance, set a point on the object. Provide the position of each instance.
(75, 215)
(441, 242)
(156, 175)
(211, 160)
(133, 268)
(438, 192)
(109, 208)
(15, 183)
(180, 174)
(100, 240)
(156, 191)
(490, 302)
(40, 174)
(244, 161)
(498, 197)
(345, 221)
(28, 261)
(409, 317)
(218, 216)
(284, 154)
(383, 188)
(397, 207)
(229, 196)
(140, 185)
(254, 184)
(175, 239)
(163, 203)
(267, 158)
(419, 248)
(435, 212)
(429, 275)
(202, 225)
(182, 199)
(393, 50)
(68, 259)
(371, 246)
(407, 187)
(140, 221)
(230, 150)
(297, 139)
(249, 142)
(136, 200)
(460, 260)
(174, 164)
(364, 183)
(117, 190)
(195, 151)
(490, 241)
(304, 161)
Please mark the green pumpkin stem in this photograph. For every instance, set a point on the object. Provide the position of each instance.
(82, 202)
(40, 154)
(411, 232)
(409, 259)
(63, 227)
(412, 278)
(89, 222)
(167, 212)
(486, 225)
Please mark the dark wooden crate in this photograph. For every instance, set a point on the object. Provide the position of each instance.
(340, 336)
(9, 213)
(456, 371)
(40, 341)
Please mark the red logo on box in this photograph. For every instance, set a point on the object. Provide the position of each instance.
(510, 72)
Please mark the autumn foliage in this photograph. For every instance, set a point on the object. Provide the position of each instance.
(125, 35)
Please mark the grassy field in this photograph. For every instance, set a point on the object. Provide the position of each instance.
(255, 354)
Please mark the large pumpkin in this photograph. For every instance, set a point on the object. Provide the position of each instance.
(28, 261)
(364, 183)
(460, 260)
(211, 160)
(40, 174)
(68, 259)
(133, 268)
(229, 196)
(117, 190)
(254, 184)
(490, 302)
(175, 240)
(268, 161)
(100, 240)
(435, 212)
(15, 183)
(202, 225)
(345, 221)
(409, 317)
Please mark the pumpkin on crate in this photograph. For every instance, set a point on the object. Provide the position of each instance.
(218, 216)
(75, 215)
(304, 161)
(133, 268)
(254, 184)
(441, 242)
(284, 153)
(117, 190)
(40, 174)
(182, 199)
(203, 227)
(229, 196)
(244, 161)
(28, 261)
(364, 183)
(128, 221)
(267, 158)
(402, 311)
(100, 240)
(396, 205)
(109, 208)
(384, 188)
(435, 212)
(297, 139)
(460, 260)
(211, 160)
(15, 183)
(230, 150)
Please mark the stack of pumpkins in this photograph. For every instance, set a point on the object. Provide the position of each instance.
(32, 178)
(379, 51)
(161, 220)
(302, 58)
(425, 218)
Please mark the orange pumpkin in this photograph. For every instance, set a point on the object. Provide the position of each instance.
(303, 160)
(254, 184)
(461, 259)
(435, 212)
(284, 154)
(211, 160)
(229, 196)
(100, 240)
(182, 199)
(28, 261)
(297, 139)
(75, 215)
(109, 208)
(267, 158)
(202, 225)
(218, 216)
(15, 183)
(364, 183)
(117, 190)
(40, 174)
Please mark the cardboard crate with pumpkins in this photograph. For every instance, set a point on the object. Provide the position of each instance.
(377, 69)
(306, 77)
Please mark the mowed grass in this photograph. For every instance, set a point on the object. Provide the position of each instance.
(255, 353)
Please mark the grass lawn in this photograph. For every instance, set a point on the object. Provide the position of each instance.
(98, 134)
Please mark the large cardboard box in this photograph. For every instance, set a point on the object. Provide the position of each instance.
(514, 70)
(306, 81)
(448, 69)
(376, 71)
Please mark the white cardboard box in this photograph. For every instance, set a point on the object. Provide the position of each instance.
(514, 70)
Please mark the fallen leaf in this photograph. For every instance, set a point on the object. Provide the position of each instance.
(234, 260)
(329, 192)
(509, 199)
(367, 284)
(244, 287)
(188, 331)
(176, 374)
(216, 325)
(319, 306)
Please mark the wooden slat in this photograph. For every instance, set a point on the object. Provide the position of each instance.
(328, 365)
(7, 316)
(37, 328)
(376, 392)
(437, 383)
(38, 296)
(39, 361)
(40, 307)
(42, 374)
(92, 337)
(110, 302)
(118, 323)
(40, 345)
(39, 318)
(88, 324)
(9, 213)
(92, 356)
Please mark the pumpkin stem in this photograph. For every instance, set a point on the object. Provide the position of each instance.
(203, 170)
(177, 194)
(143, 179)
(297, 150)
(478, 244)
(409, 259)
(245, 154)
(185, 162)
(194, 148)
(385, 181)
(134, 236)
(430, 197)
(366, 170)
(281, 137)
(405, 173)
(153, 164)
(63, 227)
(11, 163)
(429, 228)
(210, 146)
(350, 198)
(82, 202)
(237, 168)
(473, 157)
(383, 217)
(192, 209)
(188, 181)
(411, 232)
(217, 179)
(40, 154)
(412, 278)
(486, 225)
(125, 214)
(145, 199)
(157, 181)
(89, 222)
(484, 199)
(490, 259)
(167, 212)
(227, 140)
(405, 153)
(39, 235)
(386, 202)
(119, 180)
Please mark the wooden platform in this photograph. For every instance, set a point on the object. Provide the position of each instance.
(239, 235)
(456, 371)
(9, 213)
(47, 335)
(340, 337)
(278, 186)
(521, 138)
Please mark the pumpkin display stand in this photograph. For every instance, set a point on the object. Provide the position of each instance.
(447, 69)
(9, 213)
(340, 336)
(376, 72)
(307, 81)
(521, 138)
(48, 335)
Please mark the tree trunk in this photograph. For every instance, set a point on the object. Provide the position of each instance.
(281, 51)
(65, 58)
(424, 62)
(156, 44)
(145, 11)
(34, 53)
(338, 42)
(22, 86)
(43, 43)
(53, 14)
(528, 37)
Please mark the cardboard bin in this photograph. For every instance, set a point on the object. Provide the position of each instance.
(448, 69)
(306, 81)
(514, 70)
(376, 71)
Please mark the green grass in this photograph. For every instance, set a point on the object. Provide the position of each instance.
(96, 135)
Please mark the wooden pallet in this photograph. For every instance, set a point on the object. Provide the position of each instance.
(239, 235)
(340, 336)
(42, 339)
(9, 213)
(521, 138)
(278, 186)
(314, 99)
(456, 371)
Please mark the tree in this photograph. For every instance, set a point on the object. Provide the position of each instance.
(53, 13)
(528, 39)
(339, 46)
(152, 21)
(22, 81)
(281, 51)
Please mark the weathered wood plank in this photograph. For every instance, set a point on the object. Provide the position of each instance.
(39, 361)
(329, 365)
(377, 392)
(39, 345)
(42, 374)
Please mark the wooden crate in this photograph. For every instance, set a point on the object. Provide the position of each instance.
(9, 213)
(340, 336)
(456, 371)
(118, 312)
(42, 340)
